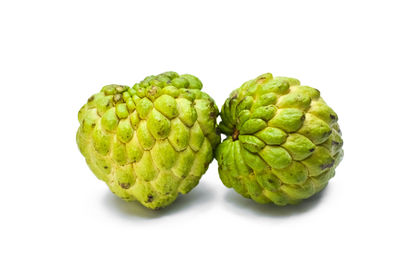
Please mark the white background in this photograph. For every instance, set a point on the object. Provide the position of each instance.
(55, 54)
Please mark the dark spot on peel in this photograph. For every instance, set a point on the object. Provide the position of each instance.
(150, 199)
(328, 165)
(125, 185)
(117, 97)
(153, 91)
(333, 117)
(335, 143)
(312, 149)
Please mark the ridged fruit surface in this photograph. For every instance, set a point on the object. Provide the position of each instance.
(152, 141)
(283, 141)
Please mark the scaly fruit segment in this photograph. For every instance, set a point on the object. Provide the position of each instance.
(152, 141)
(283, 141)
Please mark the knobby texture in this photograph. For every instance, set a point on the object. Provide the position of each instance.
(283, 141)
(152, 141)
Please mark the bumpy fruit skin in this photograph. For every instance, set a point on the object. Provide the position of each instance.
(283, 141)
(152, 141)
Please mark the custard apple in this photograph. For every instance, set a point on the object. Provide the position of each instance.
(283, 141)
(152, 141)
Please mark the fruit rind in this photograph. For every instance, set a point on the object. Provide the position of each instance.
(152, 141)
(283, 141)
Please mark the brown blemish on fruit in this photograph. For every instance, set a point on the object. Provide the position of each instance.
(117, 97)
(125, 185)
(213, 115)
(328, 165)
(153, 91)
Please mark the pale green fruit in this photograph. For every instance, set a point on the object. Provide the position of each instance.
(152, 141)
(283, 141)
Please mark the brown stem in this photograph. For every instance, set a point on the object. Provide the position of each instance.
(235, 134)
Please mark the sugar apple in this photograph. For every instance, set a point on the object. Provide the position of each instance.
(152, 141)
(283, 141)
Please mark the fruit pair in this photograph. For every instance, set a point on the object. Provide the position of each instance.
(156, 139)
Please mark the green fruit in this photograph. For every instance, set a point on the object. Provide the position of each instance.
(152, 141)
(283, 141)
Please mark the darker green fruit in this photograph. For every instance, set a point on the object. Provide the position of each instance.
(283, 141)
